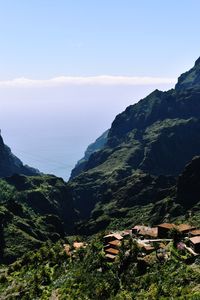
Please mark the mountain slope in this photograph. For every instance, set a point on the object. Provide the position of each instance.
(158, 136)
(33, 210)
(147, 199)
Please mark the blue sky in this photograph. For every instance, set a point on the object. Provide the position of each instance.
(50, 38)
(68, 67)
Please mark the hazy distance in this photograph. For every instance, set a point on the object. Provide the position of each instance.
(50, 127)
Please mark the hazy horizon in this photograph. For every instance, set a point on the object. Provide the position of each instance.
(51, 131)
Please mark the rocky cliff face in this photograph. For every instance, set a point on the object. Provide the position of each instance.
(10, 164)
(157, 136)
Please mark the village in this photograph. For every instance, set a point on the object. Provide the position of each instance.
(184, 237)
(150, 239)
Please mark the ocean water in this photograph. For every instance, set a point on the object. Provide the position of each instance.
(50, 128)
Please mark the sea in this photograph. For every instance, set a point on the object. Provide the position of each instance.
(50, 128)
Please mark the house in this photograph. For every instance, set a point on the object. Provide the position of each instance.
(185, 228)
(112, 251)
(111, 237)
(139, 230)
(126, 233)
(195, 232)
(114, 244)
(110, 257)
(145, 231)
(164, 229)
(195, 243)
(78, 245)
(146, 248)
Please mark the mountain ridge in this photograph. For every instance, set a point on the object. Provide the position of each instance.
(157, 136)
(156, 107)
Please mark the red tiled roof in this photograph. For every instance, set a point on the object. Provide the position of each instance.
(167, 225)
(114, 243)
(185, 227)
(144, 230)
(112, 251)
(110, 256)
(195, 240)
(195, 232)
(117, 236)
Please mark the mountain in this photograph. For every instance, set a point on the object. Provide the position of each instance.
(154, 133)
(33, 209)
(188, 185)
(150, 142)
(92, 148)
(145, 169)
(147, 199)
(191, 78)
(10, 164)
(131, 174)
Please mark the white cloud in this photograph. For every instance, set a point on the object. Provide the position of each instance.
(89, 80)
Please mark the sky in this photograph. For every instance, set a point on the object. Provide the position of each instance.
(68, 67)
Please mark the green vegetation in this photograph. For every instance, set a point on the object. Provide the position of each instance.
(88, 275)
(32, 210)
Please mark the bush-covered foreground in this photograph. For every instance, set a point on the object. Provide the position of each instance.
(50, 274)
